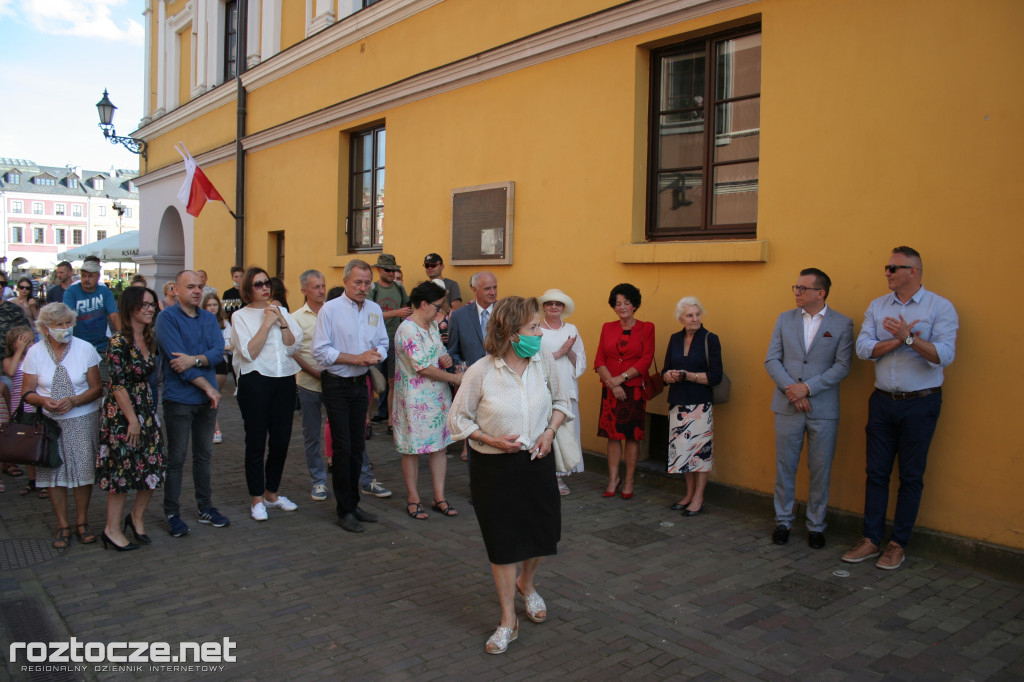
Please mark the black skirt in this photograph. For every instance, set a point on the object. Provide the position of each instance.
(517, 505)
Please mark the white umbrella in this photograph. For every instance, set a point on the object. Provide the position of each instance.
(121, 247)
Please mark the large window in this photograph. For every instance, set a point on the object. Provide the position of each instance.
(76, 237)
(58, 235)
(102, 209)
(366, 190)
(705, 137)
(101, 234)
(38, 235)
(37, 208)
(17, 206)
(17, 233)
(58, 209)
(230, 40)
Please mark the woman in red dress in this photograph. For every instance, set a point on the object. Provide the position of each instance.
(624, 355)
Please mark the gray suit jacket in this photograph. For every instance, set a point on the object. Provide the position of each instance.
(822, 368)
(465, 338)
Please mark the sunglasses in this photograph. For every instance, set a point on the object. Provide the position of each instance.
(261, 284)
(891, 269)
(429, 264)
(25, 288)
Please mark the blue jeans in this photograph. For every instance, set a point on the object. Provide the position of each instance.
(821, 448)
(312, 433)
(902, 428)
(181, 421)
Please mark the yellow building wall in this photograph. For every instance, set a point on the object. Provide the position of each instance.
(882, 124)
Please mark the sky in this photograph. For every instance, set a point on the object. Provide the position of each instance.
(59, 55)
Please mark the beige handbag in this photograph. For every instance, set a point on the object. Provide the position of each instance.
(566, 450)
(378, 380)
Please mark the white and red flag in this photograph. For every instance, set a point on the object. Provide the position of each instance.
(197, 188)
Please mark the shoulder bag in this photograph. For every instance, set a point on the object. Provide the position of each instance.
(719, 393)
(653, 383)
(31, 438)
(564, 447)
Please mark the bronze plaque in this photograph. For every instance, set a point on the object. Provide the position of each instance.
(482, 224)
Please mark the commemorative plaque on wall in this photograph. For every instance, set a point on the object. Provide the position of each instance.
(482, 224)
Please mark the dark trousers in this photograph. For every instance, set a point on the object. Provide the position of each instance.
(903, 429)
(346, 402)
(267, 405)
(181, 422)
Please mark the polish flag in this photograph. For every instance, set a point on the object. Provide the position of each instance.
(197, 188)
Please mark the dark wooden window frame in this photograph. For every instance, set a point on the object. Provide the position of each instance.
(230, 40)
(355, 205)
(707, 230)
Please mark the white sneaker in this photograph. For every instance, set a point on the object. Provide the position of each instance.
(259, 512)
(282, 503)
(319, 492)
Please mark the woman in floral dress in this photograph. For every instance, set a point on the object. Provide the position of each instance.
(422, 397)
(132, 453)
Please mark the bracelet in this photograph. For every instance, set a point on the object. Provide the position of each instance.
(552, 429)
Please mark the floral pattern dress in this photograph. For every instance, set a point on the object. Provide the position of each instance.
(120, 467)
(421, 404)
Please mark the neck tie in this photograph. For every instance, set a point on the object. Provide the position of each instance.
(483, 322)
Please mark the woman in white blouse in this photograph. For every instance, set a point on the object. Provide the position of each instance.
(265, 336)
(563, 341)
(509, 406)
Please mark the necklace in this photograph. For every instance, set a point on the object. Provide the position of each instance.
(544, 323)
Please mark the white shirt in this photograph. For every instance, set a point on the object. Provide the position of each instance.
(79, 358)
(275, 358)
(499, 402)
(226, 333)
(552, 340)
(344, 327)
(812, 323)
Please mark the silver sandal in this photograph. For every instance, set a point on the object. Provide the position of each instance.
(534, 605)
(499, 641)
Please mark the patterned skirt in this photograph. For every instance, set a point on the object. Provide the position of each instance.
(690, 447)
(79, 443)
(622, 420)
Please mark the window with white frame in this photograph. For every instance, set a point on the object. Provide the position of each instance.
(128, 212)
(17, 234)
(103, 210)
(59, 235)
(13, 177)
(17, 206)
(76, 237)
(38, 235)
(46, 181)
(101, 234)
(73, 183)
(59, 209)
(97, 183)
(366, 189)
(37, 208)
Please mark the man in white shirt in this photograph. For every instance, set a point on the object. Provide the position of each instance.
(809, 354)
(349, 338)
(314, 289)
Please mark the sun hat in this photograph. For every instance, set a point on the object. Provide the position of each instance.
(561, 297)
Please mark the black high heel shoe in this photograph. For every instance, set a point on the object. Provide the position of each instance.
(106, 540)
(139, 537)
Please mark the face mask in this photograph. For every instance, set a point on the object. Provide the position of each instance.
(60, 335)
(526, 346)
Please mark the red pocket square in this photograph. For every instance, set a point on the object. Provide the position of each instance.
(828, 334)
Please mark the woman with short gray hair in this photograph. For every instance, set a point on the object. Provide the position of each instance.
(62, 377)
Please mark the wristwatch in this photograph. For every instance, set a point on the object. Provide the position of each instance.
(198, 362)
(625, 376)
(909, 340)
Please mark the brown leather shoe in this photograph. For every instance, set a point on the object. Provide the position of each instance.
(893, 557)
(862, 551)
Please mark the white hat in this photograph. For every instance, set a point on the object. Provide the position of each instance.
(559, 296)
(439, 282)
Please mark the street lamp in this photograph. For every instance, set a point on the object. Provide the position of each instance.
(106, 110)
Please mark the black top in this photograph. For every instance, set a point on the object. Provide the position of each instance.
(689, 393)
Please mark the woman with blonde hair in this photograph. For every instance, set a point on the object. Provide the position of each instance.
(508, 408)
(62, 377)
(211, 303)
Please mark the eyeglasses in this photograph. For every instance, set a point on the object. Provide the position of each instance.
(891, 269)
(797, 289)
(260, 284)
(147, 305)
(438, 306)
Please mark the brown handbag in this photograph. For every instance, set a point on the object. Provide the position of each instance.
(35, 442)
(653, 384)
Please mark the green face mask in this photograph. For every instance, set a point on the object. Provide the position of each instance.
(526, 346)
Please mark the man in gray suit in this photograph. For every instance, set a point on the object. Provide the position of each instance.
(808, 356)
(467, 324)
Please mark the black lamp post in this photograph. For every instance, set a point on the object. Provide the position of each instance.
(106, 110)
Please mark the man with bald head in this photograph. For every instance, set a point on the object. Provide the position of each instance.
(191, 345)
(468, 324)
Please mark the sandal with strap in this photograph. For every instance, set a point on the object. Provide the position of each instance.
(29, 488)
(499, 641)
(84, 535)
(63, 538)
(448, 509)
(13, 470)
(415, 510)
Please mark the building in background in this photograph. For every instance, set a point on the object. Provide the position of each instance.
(691, 147)
(46, 210)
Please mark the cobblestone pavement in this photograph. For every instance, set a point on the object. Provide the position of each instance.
(636, 592)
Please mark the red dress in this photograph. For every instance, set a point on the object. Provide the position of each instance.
(619, 350)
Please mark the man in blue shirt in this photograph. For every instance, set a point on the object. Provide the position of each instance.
(96, 308)
(910, 335)
(191, 345)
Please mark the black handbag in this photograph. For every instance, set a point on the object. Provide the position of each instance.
(30, 438)
(720, 391)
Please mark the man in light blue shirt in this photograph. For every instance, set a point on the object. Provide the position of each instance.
(350, 337)
(910, 335)
(96, 309)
